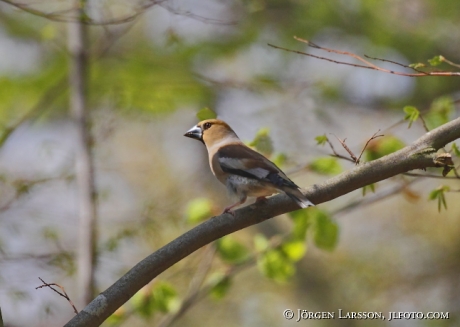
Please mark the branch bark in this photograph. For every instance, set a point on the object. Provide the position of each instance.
(419, 155)
(84, 166)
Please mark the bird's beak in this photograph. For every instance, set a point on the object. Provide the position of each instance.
(195, 133)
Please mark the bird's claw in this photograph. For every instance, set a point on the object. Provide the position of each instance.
(228, 210)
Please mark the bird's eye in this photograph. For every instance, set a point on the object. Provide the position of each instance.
(206, 126)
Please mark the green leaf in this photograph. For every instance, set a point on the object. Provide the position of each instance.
(279, 160)
(412, 114)
(326, 166)
(143, 303)
(165, 297)
(262, 142)
(144, 82)
(261, 243)
(301, 223)
(455, 150)
(439, 194)
(440, 112)
(117, 317)
(436, 61)
(326, 231)
(383, 146)
(220, 285)
(370, 187)
(275, 265)
(198, 210)
(321, 139)
(65, 261)
(417, 65)
(206, 113)
(294, 250)
(113, 242)
(161, 297)
(49, 32)
(267, 82)
(231, 250)
(50, 233)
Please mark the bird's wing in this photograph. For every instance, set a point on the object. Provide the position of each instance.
(240, 160)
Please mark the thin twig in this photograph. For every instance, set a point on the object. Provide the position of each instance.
(450, 62)
(335, 154)
(424, 123)
(373, 137)
(352, 155)
(63, 294)
(199, 18)
(364, 201)
(396, 63)
(366, 64)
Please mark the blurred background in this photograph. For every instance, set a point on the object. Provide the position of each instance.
(152, 67)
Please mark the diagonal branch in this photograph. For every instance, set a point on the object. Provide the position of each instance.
(365, 63)
(420, 154)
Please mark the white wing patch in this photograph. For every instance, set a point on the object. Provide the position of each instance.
(233, 163)
(259, 172)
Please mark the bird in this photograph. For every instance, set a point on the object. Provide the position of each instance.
(245, 172)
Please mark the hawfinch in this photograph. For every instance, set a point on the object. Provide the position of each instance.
(244, 171)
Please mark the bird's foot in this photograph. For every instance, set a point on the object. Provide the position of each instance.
(229, 210)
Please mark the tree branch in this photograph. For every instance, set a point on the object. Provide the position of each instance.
(419, 155)
(84, 167)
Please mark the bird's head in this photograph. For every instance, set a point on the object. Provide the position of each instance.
(211, 131)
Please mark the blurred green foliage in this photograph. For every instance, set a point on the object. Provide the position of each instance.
(230, 250)
(198, 210)
(326, 166)
(276, 265)
(326, 230)
(205, 113)
(149, 80)
(263, 142)
(220, 285)
(455, 149)
(382, 147)
(439, 195)
(412, 114)
(370, 187)
(321, 139)
(162, 297)
(440, 112)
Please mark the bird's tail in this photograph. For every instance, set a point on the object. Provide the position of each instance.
(298, 197)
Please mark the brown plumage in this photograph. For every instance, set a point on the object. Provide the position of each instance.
(244, 171)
